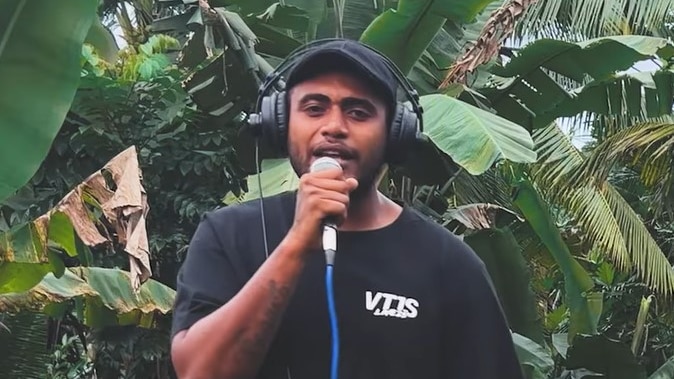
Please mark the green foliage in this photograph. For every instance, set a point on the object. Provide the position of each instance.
(131, 352)
(103, 296)
(644, 147)
(149, 60)
(187, 162)
(404, 34)
(620, 319)
(477, 147)
(585, 305)
(548, 79)
(103, 41)
(186, 159)
(22, 351)
(601, 355)
(666, 371)
(580, 19)
(502, 255)
(607, 221)
(69, 360)
(39, 71)
(535, 359)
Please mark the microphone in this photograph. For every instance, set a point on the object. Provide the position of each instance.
(330, 248)
(329, 228)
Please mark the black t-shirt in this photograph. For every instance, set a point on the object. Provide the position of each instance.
(413, 301)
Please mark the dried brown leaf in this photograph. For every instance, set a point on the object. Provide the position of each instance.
(129, 203)
(498, 28)
(73, 206)
(482, 216)
(124, 208)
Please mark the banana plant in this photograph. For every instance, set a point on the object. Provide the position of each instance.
(584, 303)
(40, 71)
(103, 296)
(33, 273)
(404, 33)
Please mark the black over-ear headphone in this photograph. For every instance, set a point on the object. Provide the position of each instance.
(270, 120)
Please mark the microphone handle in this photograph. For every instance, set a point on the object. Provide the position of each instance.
(330, 241)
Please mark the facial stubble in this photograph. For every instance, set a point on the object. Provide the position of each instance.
(369, 171)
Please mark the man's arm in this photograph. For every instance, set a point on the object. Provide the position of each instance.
(231, 341)
(479, 339)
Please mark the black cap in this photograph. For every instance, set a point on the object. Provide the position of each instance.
(351, 56)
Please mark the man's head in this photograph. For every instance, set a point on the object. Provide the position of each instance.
(340, 103)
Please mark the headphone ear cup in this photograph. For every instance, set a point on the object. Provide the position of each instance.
(281, 113)
(273, 121)
(267, 121)
(402, 133)
(394, 134)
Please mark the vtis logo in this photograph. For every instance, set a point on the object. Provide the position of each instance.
(391, 305)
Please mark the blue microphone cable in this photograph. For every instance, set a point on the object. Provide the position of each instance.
(330, 260)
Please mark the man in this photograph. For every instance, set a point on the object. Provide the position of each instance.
(413, 301)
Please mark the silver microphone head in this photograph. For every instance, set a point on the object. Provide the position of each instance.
(324, 163)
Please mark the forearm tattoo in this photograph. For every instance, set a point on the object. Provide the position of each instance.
(255, 339)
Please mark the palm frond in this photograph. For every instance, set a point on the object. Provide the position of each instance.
(581, 19)
(607, 220)
(489, 187)
(646, 147)
(549, 79)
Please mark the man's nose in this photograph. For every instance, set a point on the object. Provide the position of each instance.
(335, 124)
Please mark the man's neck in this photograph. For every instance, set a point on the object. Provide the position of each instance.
(370, 210)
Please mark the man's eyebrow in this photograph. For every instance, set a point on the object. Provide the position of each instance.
(360, 102)
(346, 102)
(314, 97)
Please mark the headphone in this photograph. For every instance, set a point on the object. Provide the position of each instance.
(270, 120)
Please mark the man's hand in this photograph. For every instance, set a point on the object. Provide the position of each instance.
(321, 195)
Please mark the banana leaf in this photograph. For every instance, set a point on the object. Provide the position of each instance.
(404, 33)
(277, 176)
(584, 304)
(502, 255)
(40, 49)
(536, 361)
(475, 139)
(103, 41)
(104, 295)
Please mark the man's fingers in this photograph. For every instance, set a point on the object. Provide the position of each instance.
(352, 183)
(321, 184)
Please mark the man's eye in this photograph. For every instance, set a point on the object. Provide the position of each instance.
(359, 114)
(313, 109)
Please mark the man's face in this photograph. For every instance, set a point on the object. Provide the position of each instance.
(336, 115)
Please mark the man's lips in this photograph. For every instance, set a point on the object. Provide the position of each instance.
(340, 152)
